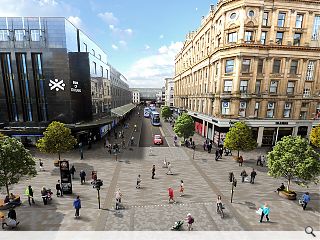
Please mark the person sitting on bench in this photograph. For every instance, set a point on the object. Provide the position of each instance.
(281, 188)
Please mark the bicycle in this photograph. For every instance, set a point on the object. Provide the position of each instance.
(220, 210)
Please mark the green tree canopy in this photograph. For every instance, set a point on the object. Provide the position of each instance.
(15, 162)
(184, 126)
(57, 139)
(166, 112)
(293, 157)
(315, 136)
(239, 138)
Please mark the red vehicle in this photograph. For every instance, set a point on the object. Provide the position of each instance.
(157, 140)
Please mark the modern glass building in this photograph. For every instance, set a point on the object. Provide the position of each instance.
(49, 71)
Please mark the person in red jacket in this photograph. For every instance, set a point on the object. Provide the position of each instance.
(170, 191)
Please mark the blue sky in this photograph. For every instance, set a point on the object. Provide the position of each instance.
(141, 37)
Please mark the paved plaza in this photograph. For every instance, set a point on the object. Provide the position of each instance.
(148, 208)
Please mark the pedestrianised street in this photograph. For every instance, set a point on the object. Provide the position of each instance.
(147, 207)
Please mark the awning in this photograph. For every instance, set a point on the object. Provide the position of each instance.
(123, 110)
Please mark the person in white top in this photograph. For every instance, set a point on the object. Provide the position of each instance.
(181, 188)
(118, 198)
(169, 169)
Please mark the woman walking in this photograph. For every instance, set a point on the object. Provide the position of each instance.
(181, 188)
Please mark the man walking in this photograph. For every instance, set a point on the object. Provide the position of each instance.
(243, 175)
(82, 176)
(153, 171)
(217, 154)
(29, 193)
(72, 171)
(138, 181)
(253, 176)
(77, 206)
(81, 150)
(305, 200)
(58, 188)
(169, 169)
(170, 192)
(118, 199)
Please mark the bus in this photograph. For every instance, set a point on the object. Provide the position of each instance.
(155, 118)
(152, 107)
(146, 112)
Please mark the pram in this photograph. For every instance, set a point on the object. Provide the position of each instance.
(177, 226)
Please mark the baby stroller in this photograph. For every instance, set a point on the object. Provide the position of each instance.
(177, 226)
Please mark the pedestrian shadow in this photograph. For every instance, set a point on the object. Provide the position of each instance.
(250, 205)
(186, 196)
(172, 174)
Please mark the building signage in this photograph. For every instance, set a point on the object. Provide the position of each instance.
(75, 87)
(103, 130)
(282, 123)
(56, 85)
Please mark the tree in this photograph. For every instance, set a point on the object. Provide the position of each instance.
(239, 138)
(184, 126)
(315, 136)
(15, 162)
(56, 139)
(166, 112)
(293, 157)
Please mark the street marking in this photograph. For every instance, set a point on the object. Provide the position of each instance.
(162, 133)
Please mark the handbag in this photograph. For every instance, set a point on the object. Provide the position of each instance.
(259, 211)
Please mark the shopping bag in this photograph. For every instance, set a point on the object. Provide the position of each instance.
(246, 179)
(259, 211)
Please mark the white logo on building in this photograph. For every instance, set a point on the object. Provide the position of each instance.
(75, 87)
(56, 84)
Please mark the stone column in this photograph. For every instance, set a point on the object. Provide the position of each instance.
(260, 135)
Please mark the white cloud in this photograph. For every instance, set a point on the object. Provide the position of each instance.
(75, 21)
(40, 8)
(120, 33)
(123, 43)
(146, 47)
(150, 71)
(115, 47)
(109, 18)
(161, 36)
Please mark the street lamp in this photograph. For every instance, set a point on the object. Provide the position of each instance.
(233, 180)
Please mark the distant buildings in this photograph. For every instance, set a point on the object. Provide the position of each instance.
(252, 61)
(136, 97)
(169, 85)
(147, 94)
(50, 70)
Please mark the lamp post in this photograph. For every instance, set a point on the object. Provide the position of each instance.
(233, 181)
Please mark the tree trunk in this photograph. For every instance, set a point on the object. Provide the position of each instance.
(238, 154)
(59, 155)
(7, 187)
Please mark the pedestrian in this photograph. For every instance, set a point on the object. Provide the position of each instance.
(118, 199)
(58, 188)
(132, 140)
(259, 160)
(265, 212)
(29, 192)
(240, 161)
(150, 151)
(169, 169)
(44, 195)
(138, 181)
(243, 175)
(181, 188)
(220, 152)
(41, 165)
(153, 171)
(217, 154)
(81, 150)
(82, 176)
(110, 149)
(77, 206)
(72, 171)
(263, 160)
(305, 200)
(281, 188)
(253, 175)
(190, 221)
(170, 191)
(205, 145)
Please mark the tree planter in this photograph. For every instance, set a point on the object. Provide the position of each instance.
(288, 195)
(236, 158)
(56, 163)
